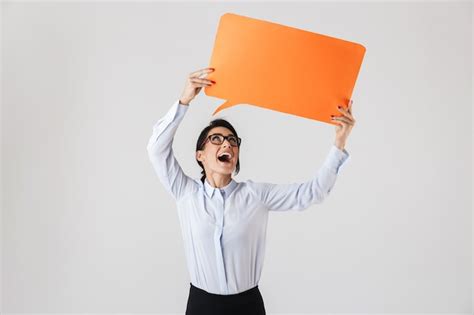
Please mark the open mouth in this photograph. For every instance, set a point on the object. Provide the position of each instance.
(225, 158)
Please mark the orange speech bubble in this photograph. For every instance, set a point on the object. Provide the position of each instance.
(282, 68)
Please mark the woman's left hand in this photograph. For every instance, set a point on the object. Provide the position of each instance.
(345, 124)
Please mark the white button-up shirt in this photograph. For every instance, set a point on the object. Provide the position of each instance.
(224, 229)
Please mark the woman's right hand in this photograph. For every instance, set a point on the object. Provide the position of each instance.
(194, 84)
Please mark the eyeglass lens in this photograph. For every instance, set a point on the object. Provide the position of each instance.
(219, 139)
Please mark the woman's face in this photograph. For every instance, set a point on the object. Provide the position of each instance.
(210, 153)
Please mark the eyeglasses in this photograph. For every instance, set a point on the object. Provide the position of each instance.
(218, 139)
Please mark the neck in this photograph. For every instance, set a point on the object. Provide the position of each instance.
(218, 180)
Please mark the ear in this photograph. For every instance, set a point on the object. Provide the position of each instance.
(199, 155)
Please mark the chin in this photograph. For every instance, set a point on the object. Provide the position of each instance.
(226, 171)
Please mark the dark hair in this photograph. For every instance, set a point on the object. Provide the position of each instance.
(219, 122)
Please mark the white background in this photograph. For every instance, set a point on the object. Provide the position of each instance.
(87, 227)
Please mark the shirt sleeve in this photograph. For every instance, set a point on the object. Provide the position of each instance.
(160, 153)
(299, 196)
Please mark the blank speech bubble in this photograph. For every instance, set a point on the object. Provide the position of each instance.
(282, 68)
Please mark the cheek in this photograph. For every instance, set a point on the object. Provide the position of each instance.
(212, 156)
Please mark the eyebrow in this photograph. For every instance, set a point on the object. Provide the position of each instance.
(218, 133)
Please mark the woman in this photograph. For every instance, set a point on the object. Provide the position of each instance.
(224, 222)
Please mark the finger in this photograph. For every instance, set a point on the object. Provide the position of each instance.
(200, 84)
(345, 112)
(342, 119)
(203, 75)
(201, 72)
(204, 81)
(197, 85)
(350, 106)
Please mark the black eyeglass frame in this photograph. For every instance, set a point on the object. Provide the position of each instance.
(239, 140)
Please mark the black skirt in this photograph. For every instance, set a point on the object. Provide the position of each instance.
(201, 302)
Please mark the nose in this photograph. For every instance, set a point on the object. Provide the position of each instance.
(226, 142)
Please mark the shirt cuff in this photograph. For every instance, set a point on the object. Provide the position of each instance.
(182, 108)
(336, 158)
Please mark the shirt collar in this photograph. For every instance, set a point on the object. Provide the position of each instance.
(228, 189)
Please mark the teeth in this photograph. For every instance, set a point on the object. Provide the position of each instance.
(226, 153)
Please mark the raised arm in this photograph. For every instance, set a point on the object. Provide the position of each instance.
(160, 145)
(160, 152)
(299, 196)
